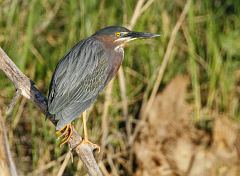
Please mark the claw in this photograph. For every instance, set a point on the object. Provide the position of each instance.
(67, 137)
(65, 132)
(95, 146)
(59, 132)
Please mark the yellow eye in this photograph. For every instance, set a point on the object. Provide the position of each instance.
(118, 34)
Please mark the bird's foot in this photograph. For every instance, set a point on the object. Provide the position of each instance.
(65, 133)
(94, 146)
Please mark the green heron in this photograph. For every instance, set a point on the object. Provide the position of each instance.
(83, 73)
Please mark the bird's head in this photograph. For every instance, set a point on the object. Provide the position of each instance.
(121, 35)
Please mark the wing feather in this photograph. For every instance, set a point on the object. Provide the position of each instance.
(78, 79)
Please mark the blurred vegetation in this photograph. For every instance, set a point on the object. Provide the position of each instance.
(37, 33)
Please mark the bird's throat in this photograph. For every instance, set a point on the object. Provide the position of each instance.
(119, 49)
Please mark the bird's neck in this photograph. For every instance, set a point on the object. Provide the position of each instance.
(108, 41)
(119, 49)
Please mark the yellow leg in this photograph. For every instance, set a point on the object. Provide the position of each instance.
(65, 132)
(85, 125)
(85, 139)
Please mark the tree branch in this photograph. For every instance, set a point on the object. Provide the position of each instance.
(27, 89)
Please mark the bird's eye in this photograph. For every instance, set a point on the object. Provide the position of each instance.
(118, 34)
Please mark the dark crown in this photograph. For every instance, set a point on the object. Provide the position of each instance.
(111, 30)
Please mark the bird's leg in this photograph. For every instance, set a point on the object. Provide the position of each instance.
(85, 139)
(65, 132)
(85, 125)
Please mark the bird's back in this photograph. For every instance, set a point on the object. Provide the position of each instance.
(78, 79)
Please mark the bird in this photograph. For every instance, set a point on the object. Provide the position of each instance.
(82, 74)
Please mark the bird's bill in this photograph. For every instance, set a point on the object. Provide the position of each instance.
(129, 36)
(136, 35)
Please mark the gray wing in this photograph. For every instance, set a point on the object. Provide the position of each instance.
(77, 80)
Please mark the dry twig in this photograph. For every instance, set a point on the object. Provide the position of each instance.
(64, 164)
(104, 117)
(47, 166)
(7, 166)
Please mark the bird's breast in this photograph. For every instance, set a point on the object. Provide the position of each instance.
(114, 52)
(115, 61)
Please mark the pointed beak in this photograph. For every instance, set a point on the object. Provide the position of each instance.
(129, 36)
(143, 35)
